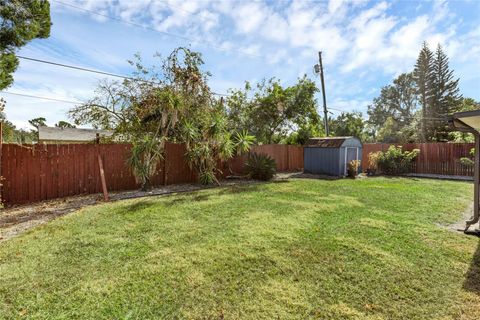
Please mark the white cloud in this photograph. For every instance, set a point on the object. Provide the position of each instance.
(362, 42)
(248, 16)
(334, 5)
(252, 49)
(353, 33)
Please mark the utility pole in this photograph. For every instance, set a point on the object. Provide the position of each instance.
(319, 69)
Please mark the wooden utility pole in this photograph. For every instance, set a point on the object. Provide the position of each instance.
(325, 111)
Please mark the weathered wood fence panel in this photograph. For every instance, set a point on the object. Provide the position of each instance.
(287, 157)
(434, 158)
(40, 172)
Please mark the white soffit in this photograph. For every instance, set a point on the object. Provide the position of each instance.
(467, 119)
(473, 121)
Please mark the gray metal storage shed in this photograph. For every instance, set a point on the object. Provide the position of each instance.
(330, 155)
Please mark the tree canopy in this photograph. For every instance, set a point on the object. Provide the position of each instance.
(349, 124)
(21, 21)
(416, 105)
(168, 102)
(273, 111)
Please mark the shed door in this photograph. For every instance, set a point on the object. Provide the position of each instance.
(350, 154)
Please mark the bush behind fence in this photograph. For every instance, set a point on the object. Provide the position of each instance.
(434, 158)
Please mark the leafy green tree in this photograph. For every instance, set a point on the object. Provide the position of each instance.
(467, 104)
(394, 116)
(170, 103)
(349, 124)
(274, 111)
(64, 124)
(393, 132)
(21, 21)
(397, 101)
(389, 132)
(148, 110)
(38, 122)
(303, 133)
(10, 133)
(8, 129)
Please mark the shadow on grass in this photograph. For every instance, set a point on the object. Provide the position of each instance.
(306, 175)
(187, 197)
(281, 181)
(139, 205)
(472, 280)
(238, 189)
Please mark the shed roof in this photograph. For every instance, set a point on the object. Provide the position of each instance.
(327, 142)
(70, 134)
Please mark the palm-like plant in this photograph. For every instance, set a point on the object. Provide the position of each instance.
(209, 144)
(146, 154)
(260, 166)
(243, 142)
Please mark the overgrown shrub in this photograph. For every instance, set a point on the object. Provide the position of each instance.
(469, 161)
(396, 161)
(373, 158)
(260, 166)
(352, 168)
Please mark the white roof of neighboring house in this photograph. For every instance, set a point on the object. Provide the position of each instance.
(70, 134)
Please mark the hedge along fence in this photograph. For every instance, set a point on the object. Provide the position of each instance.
(434, 158)
(40, 172)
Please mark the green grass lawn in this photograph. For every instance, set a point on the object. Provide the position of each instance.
(346, 249)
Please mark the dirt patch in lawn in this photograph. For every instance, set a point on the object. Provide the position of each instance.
(459, 226)
(18, 219)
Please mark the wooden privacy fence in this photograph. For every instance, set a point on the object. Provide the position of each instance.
(40, 172)
(434, 158)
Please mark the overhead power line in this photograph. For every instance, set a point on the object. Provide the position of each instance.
(138, 25)
(79, 102)
(95, 71)
(39, 97)
(77, 68)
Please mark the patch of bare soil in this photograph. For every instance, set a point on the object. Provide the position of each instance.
(15, 220)
(18, 219)
(459, 226)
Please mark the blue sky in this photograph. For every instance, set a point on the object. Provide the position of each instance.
(365, 44)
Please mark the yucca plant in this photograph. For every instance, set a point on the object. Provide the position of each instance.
(260, 166)
(243, 141)
(144, 158)
(209, 144)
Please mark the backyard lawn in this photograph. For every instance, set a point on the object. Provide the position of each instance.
(371, 248)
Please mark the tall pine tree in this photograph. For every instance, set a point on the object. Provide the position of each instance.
(445, 98)
(424, 79)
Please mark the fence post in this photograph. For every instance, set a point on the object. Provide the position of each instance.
(102, 177)
(100, 168)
